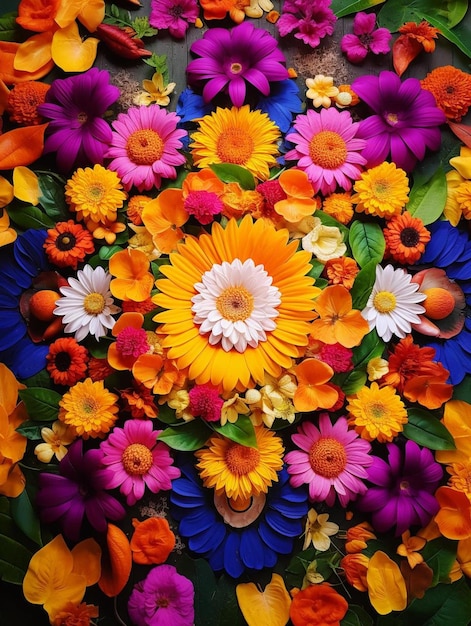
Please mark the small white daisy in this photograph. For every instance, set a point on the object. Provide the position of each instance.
(393, 303)
(87, 306)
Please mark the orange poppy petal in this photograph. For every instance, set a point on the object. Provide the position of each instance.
(296, 183)
(9, 75)
(21, 146)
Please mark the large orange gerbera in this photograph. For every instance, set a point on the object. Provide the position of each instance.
(239, 304)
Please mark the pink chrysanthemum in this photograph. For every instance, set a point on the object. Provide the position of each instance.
(327, 149)
(331, 460)
(311, 20)
(144, 147)
(338, 357)
(174, 15)
(137, 460)
(205, 402)
(203, 205)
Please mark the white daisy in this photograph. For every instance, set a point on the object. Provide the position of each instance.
(87, 305)
(393, 303)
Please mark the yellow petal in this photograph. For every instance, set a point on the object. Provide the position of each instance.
(6, 192)
(70, 53)
(9, 387)
(386, 585)
(26, 185)
(34, 53)
(273, 603)
(87, 560)
(89, 12)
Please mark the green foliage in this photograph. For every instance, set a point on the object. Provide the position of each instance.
(106, 252)
(396, 12)
(364, 281)
(14, 555)
(440, 555)
(229, 173)
(426, 430)
(371, 347)
(352, 382)
(159, 63)
(186, 437)
(143, 28)
(356, 616)
(204, 581)
(25, 516)
(460, 35)
(428, 201)
(29, 217)
(346, 7)
(366, 240)
(8, 27)
(463, 390)
(42, 405)
(31, 430)
(241, 432)
(52, 198)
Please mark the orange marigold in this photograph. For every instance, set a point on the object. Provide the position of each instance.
(98, 369)
(67, 244)
(138, 307)
(66, 361)
(451, 89)
(23, 101)
(75, 615)
(339, 206)
(341, 271)
(318, 604)
(406, 238)
(423, 33)
(407, 361)
(135, 207)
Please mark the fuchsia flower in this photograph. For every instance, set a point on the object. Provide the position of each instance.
(205, 402)
(313, 19)
(365, 38)
(173, 15)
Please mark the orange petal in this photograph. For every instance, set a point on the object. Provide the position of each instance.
(273, 603)
(146, 369)
(8, 74)
(116, 562)
(34, 53)
(26, 185)
(72, 54)
(454, 517)
(294, 209)
(4, 93)
(313, 372)
(21, 146)
(87, 556)
(404, 51)
(386, 585)
(89, 12)
(6, 193)
(296, 183)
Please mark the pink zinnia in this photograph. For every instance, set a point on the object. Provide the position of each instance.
(173, 15)
(312, 19)
(332, 460)
(144, 147)
(137, 460)
(365, 38)
(327, 149)
(203, 205)
(205, 402)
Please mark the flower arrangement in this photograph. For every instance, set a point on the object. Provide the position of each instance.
(235, 349)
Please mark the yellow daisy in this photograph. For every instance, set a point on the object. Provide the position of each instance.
(95, 193)
(239, 303)
(377, 413)
(239, 136)
(89, 408)
(238, 471)
(382, 190)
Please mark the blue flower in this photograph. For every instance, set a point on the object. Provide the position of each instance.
(19, 266)
(282, 103)
(450, 249)
(255, 545)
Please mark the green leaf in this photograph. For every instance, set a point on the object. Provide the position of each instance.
(317, 268)
(30, 217)
(41, 379)
(142, 27)
(463, 390)
(241, 432)
(367, 242)
(396, 12)
(204, 581)
(356, 616)
(30, 430)
(226, 601)
(188, 437)
(352, 382)
(345, 7)
(25, 517)
(229, 173)
(52, 198)
(428, 201)
(440, 555)
(371, 347)
(449, 148)
(106, 252)
(8, 27)
(364, 281)
(14, 556)
(459, 36)
(328, 220)
(426, 430)
(99, 349)
(42, 405)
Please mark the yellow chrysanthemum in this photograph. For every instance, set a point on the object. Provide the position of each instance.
(95, 193)
(239, 136)
(377, 413)
(89, 408)
(382, 190)
(239, 303)
(238, 471)
(339, 206)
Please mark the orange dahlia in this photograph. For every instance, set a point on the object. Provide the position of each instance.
(451, 89)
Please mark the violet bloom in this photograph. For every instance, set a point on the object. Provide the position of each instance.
(406, 120)
(173, 15)
(365, 38)
(164, 597)
(402, 494)
(77, 493)
(231, 58)
(312, 19)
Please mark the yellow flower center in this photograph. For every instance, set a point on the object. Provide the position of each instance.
(384, 302)
(234, 146)
(327, 457)
(96, 193)
(242, 460)
(235, 303)
(381, 189)
(439, 303)
(376, 411)
(392, 119)
(145, 147)
(137, 459)
(328, 150)
(236, 68)
(89, 406)
(94, 303)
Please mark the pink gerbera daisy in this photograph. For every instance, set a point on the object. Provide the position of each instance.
(327, 149)
(137, 460)
(145, 145)
(332, 460)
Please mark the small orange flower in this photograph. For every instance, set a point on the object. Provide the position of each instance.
(451, 89)
(133, 280)
(341, 271)
(66, 361)
(410, 547)
(357, 536)
(238, 202)
(75, 615)
(431, 389)
(67, 244)
(98, 369)
(23, 101)
(414, 38)
(139, 402)
(318, 604)
(313, 392)
(454, 517)
(163, 217)
(407, 361)
(406, 238)
(355, 567)
(135, 207)
(339, 206)
(152, 541)
(300, 201)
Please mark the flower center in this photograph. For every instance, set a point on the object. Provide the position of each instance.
(94, 303)
(162, 603)
(234, 146)
(242, 460)
(62, 361)
(392, 119)
(236, 68)
(381, 189)
(439, 303)
(65, 241)
(137, 459)
(384, 302)
(409, 237)
(235, 303)
(176, 10)
(145, 147)
(96, 193)
(132, 342)
(82, 117)
(89, 406)
(328, 150)
(328, 457)
(376, 410)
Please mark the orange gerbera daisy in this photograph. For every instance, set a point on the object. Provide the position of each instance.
(338, 322)
(66, 361)
(451, 89)
(67, 244)
(406, 238)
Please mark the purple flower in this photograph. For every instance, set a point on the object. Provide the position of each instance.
(77, 492)
(365, 38)
(313, 19)
(164, 597)
(231, 58)
(75, 105)
(173, 15)
(406, 120)
(404, 488)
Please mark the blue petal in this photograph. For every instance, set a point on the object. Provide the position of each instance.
(216, 559)
(201, 520)
(232, 561)
(7, 300)
(282, 103)
(26, 358)
(13, 279)
(209, 540)
(278, 522)
(12, 328)
(186, 487)
(290, 509)
(186, 502)
(29, 252)
(278, 542)
(251, 549)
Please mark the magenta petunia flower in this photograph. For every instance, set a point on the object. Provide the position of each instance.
(137, 460)
(78, 493)
(332, 460)
(403, 488)
(327, 148)
(365, 38)
(144, 147)
(312, 19)
(173, 15)
(75, 107)
(406, 120)
(164, 597)
(228, 59)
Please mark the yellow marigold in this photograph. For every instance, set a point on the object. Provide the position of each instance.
(339, 206)
(451, 89)
(382, 191)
